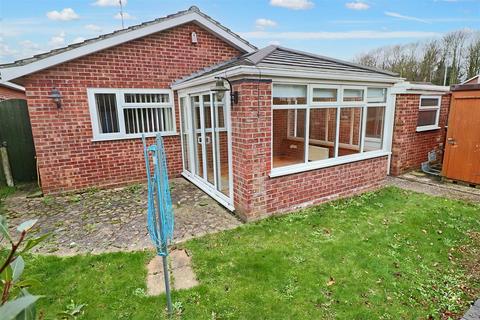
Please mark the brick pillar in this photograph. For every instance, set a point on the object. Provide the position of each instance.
(251, 146)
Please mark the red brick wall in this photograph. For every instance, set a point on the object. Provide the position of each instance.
(256, 194)
(291, 192)
(7, 93)
(251, 147)
(409, 147)
(67, 158)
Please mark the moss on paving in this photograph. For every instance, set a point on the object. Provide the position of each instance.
(391, 254)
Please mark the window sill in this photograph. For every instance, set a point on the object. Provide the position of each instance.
(427, 128)
(133, 136)
(297, 168)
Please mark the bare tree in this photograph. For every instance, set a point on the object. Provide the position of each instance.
(473, 49)
(452, 58)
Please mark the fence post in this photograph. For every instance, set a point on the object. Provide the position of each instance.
(6, 164)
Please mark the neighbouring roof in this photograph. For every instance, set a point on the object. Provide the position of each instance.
(12, 86)
(407, 87)
(472, 80)
(11, 71)
(286, 58)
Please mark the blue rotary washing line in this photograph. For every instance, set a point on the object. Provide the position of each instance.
(160, 213)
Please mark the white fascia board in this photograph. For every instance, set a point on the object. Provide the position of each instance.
(415, 88)
(12, 85)
(14, 72)
(285, 73)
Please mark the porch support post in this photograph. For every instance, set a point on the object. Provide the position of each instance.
(251, 146)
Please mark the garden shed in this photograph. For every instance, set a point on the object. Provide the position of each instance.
(462, 156)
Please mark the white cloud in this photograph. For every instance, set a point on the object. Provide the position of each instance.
(325, 35)
(357, 5)
(93, 28)
(265, 23)
(274, 43)
(403, 17)
(29, 49)
(57, 41)
(66, 14)
(109, 3)
(293, 4)
(126, 16)
(5, 50)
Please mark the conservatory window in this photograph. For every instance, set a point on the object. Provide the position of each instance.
(325, 95)
(288, 94)
(377, 95)
(129, 113)
(353, 95)
(336, 124)
(288, 136)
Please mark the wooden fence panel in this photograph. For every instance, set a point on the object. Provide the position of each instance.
(16, 131)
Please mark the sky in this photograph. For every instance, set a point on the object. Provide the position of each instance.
(337, 28)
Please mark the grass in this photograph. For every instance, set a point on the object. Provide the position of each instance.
(5, 192)
(391, 254)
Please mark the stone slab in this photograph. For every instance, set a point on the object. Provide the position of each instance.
(181, 273)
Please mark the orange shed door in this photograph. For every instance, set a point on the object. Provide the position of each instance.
(462, 152)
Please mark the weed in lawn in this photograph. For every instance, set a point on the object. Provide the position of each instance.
(47, 200)
(72, 311)
(134, 188)
(139, 292)
(91, 190)
(74, 198)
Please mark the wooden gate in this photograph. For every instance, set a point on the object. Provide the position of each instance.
(16, 131)
(462, 151)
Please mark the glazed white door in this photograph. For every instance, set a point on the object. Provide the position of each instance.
(206, 144)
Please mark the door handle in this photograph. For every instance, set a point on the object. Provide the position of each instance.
(451, 141)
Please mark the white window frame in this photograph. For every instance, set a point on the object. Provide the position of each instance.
(363, 155)
(121, 104)
(436, 108)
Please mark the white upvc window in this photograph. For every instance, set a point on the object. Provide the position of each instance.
(130, 113)
(332, 124)
(429, 113)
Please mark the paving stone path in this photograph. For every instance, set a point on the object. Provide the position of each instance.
(473, 313)
(115, 220)
(420, 182)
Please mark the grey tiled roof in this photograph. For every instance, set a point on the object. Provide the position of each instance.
(276, 56)
(122, 31)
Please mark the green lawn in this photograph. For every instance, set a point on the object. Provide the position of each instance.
(391, 254)
(4, 192)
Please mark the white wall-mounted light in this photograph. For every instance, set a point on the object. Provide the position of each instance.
(56, 97)
(220, 90)
(194, 38)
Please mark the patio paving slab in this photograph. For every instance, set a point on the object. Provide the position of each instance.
(115, 220)
(421, 182)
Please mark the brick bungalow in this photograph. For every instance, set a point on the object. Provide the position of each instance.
(294, 129)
